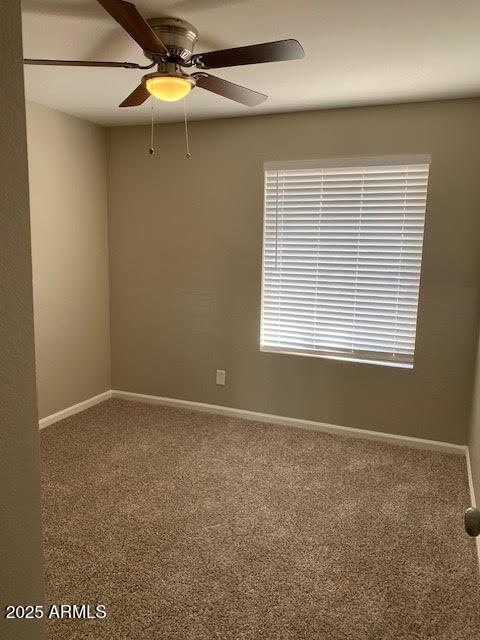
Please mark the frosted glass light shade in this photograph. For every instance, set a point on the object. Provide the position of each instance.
(168, 88)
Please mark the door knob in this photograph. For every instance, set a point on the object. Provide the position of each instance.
(472, 522)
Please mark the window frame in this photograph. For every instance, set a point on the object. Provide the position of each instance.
(354, 162)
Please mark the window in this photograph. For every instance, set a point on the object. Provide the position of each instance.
(342, 252)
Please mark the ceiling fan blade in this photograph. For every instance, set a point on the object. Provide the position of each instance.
(86, 63)
(253, 54)
(136, 98)
(135, 25)
(229, 90)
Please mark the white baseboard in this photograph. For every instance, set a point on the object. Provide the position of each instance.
(408, 441)
(470, 479)
(473, 500)
(76, 408)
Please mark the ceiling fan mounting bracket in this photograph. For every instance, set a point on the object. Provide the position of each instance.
(196, 61)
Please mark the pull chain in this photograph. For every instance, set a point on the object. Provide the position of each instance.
(189, 155)
(151, 151)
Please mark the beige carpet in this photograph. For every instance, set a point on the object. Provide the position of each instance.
(192, 526)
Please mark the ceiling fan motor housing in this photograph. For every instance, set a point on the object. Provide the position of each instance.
(178, 36)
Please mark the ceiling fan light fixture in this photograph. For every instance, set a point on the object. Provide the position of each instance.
(169, 88)
(169, 42)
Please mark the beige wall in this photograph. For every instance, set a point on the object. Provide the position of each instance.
(21, 574)
(68, 195)
(185, 255)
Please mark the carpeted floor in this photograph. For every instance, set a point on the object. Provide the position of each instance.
(189, 526)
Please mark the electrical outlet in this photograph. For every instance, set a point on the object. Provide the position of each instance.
(220, 378)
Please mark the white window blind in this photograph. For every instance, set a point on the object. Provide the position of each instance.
(342, 255)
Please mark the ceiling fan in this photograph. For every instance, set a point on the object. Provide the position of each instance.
(169, 43)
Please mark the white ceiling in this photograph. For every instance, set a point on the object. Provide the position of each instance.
(357, 52)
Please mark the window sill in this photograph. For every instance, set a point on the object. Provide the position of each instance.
(340, 358)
